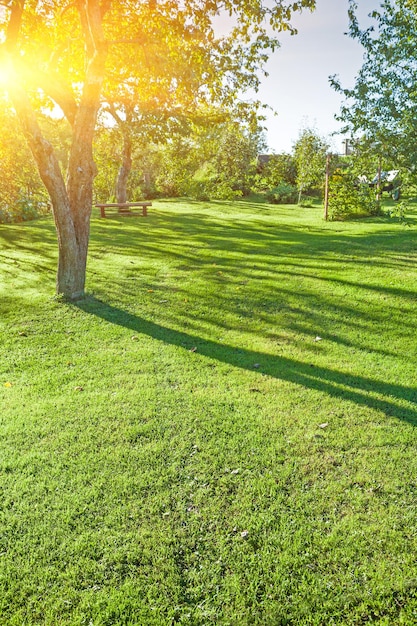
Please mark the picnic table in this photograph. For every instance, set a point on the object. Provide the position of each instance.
(125, 208)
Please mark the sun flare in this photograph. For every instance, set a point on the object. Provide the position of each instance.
(6, 74)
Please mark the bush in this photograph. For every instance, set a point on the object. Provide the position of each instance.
(198, 190)
(399, 212)
(223, 191)
(307, 202)
(284, 193)
(23, 211)
(348, 199)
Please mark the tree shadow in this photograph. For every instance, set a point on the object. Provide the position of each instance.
(254, 238)
(232, 253)
(391, 399)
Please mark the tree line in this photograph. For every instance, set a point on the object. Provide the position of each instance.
(208, 158)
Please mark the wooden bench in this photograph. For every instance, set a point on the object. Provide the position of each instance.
(125, 208)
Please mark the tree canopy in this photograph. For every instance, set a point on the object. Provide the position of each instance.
(381, 108)
(310, 152)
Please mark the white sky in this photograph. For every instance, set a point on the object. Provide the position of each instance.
(298, 87)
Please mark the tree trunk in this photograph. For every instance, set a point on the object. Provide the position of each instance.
(125, 169)
(71, 202)
(72, 264)
(72, 238)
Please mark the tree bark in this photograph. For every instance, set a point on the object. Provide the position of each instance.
(125, 169)
(126, 156)
(72, 243)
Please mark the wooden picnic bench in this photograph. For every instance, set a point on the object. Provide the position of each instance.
(125, 208)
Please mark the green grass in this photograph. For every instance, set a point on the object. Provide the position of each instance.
(182, 448)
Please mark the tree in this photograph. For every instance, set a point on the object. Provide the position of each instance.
(276, 169)
(215, 158)
(28, 25)
(382, 106)
(310, 152)
(69, 43)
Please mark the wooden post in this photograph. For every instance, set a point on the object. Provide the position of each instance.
(378, 184)
(326, 189)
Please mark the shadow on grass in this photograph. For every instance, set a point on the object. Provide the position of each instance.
(390, 399)
(185, 236)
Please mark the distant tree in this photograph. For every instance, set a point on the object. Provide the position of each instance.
(235, 162)
(279, 168)
(381, 108)
(216, 159)
(310, 152)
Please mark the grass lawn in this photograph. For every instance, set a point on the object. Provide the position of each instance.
(222, 433)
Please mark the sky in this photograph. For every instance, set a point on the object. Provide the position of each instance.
(298, 86)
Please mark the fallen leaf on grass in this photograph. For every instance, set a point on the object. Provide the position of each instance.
(135, 338)
(22, 333)
(194, 349)
(8, 384)
(79, 388)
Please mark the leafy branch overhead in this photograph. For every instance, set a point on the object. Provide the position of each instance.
(164, 55)
(382, 105)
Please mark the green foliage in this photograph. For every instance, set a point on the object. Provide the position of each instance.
(22, 195)
(381, 106)
(284, 193)
(279, 168)
(399, 211)
(217, 161)
(23, 210)
(176, 167)
(106, 155)
(306, 201)
(349, 198)
(310, 151)
(235, 160)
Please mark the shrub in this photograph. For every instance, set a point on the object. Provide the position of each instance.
(399, 212)
(306, 201)
(23, 211)
(284, 193)
(348, 198)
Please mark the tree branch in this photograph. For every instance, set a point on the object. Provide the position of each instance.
(53, 86)
(13, 27)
